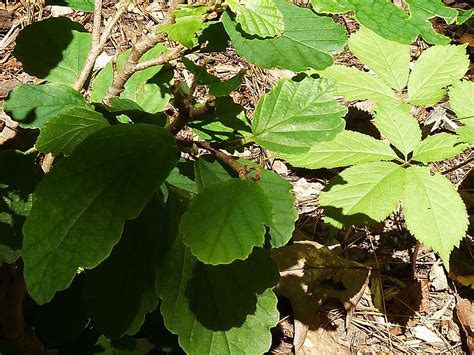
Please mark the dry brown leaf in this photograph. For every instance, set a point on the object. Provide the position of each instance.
(465, 313)
(311, 275)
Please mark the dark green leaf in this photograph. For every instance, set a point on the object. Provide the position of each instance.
(34, 105)
(80, 208)
(54, 49)
(208, 173)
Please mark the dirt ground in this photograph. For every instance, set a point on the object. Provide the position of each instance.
(411, 304)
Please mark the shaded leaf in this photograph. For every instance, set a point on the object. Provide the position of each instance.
(236, 228)
(209, 173)
(295, 115)
(87, 198)
(308, 41)
(434, 212)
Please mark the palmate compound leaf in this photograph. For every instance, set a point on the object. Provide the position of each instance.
(239, 211)
(295, 115)
(80, 207)
(437, 67)
(348, 148)
(65, 131)
(388, 59)
(395, 122)
(258, 17)
(308, 41)
(224, 309)
(434, 212)
(353, 84)
(392, 22)
(438, 147)
(33, 105)
(277, 189)
(54, 49)
(363, 193)
(149, 88)
(121, 290)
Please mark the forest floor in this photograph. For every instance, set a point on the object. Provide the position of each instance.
(408, 303)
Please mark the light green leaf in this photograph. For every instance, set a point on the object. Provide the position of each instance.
(196, 299)
(436, 68)
(54, 49)
(121, 290)
(65, 131)
(258, 17)
(438, 147)
(348, 148)
(295, 115)
(79, 5)
(388, 59)
(390, 21)
(461, 99)
(466, 134)
(354, 84)
(364, 193)
(80, 207)
(149, 88)
(396, 124)
(33, 105)
(236, 228)
(464, 16)
(188, 25)
(434, 212)
(308, 41)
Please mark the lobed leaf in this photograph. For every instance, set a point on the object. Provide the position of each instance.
(64, 132)
(80, 207)
(434, 212)
(364, 193)
(438, 147)
(34, 105)
(308, 41)
(239, 211)
(396, 124)
(295, 115)
(347, 148)
(436, 68)
(388, 59)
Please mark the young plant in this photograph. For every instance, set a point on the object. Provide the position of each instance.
(385, 172)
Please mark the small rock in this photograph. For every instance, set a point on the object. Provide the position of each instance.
(57, 11)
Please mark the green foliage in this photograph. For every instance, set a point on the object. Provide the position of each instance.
(80, 5)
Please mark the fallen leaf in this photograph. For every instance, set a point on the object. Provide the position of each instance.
(311, 275)
(465, 313)
(423, 333)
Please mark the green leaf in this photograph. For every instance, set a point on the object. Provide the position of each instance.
(363, 193)
(258, 17)
(209, 173)
(227, 122)
(278, 191)
(460, 99)
(121, 290)
(466, 134)
(19, 176)
(33, 105)
(295, 115)
(434, 212)
(438, 147)
(217, 87)
(396, 124)
(236, 227)
(149, 88)
(79, 5)
(196, 299)
(354, 84)
(308, 41)
(436, 68)
(126, 345)
(54, 49)
(188, 25)
(65, 131)
(391, 22)
(464, 16)
(348, 148)
(182, 182)
(388, 59)
(80, 207)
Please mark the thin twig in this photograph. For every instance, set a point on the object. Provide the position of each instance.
(99, 40)
(162, 59)
(460, 165)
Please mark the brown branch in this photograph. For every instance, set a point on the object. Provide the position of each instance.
(146, 43)
(98, 40)
(162, 59)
